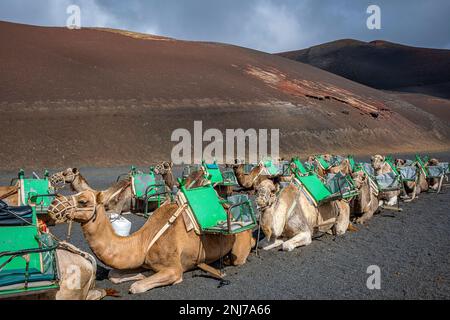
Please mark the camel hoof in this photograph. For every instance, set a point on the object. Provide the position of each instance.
(287, 247)
(136, 288)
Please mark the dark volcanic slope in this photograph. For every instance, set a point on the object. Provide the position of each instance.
(382, 65)
(108, 97)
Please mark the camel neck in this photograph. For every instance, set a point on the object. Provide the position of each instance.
(169, 179)
(113, 250)
(80, 184)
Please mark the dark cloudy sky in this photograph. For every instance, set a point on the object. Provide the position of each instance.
(268, 25)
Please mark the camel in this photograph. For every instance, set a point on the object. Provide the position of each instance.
(165, 170)
(117, 199)
(10, 195)
(71, 260)
(365, 204)
(413, 187)
(162, 245)
(433, 182)
(380, 166)
(289, 218)
(251, 180)
(343, 167)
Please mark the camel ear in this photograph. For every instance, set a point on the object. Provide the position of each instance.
(170, 164)
(75, 170)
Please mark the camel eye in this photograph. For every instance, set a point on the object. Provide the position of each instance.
(82, 202)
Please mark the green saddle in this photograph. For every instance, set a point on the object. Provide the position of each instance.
(35, 191)
(213, 172)
(336, 187)
(211, 216)
(27, 260)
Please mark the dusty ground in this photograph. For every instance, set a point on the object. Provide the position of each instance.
(412, 248)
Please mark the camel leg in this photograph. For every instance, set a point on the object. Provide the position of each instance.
(392, 201)
(242, 247)
(365, 217)
(96, 294)
(121, 276)
(343, 218)
(162, 278)
(301, 239)
(268, 245)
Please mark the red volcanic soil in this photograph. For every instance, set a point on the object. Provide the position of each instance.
(102, 97)
(382, 65)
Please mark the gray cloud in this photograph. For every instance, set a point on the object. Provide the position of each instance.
(268, 25)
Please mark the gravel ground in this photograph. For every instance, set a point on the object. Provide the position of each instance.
(412, 249)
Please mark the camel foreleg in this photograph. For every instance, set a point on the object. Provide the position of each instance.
(268, 245)
(301, 239)
(121, 276)
(162, 278)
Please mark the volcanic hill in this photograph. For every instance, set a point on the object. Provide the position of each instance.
(103, 97)
(382, 65)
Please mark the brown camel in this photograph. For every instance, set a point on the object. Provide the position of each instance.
(163, 244)
(365, 204)
(117, 199)
(251, 180)
(10, 195)
(289, 218)
(344, 167)
(165, 170)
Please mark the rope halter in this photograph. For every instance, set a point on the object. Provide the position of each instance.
(266, 196)
(58, 180)
(64, 208)
(162, 168)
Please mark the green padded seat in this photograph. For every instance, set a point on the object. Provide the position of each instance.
(17, 242)
(211, 216)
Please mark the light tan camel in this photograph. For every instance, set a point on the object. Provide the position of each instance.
(433, 182)
(77, 271)
(163, 244)
(365, 204)
(249, 180)
(380, 166)
(413, 188)
(289, 219)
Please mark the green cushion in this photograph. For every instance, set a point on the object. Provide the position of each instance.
(42, 266)
(36, 191)
(211, 216)
(213, 171)
(299, 167)
(141, 182)
(315, 187)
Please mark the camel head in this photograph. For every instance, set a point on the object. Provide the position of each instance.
(196, 179)
(359, 178)
(80, 207)
(433, 162)
(59, 179)
(163, 168)
(399, 162)
(265, 194)
(377, 161)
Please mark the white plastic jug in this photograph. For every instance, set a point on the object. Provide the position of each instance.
(121, 226)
